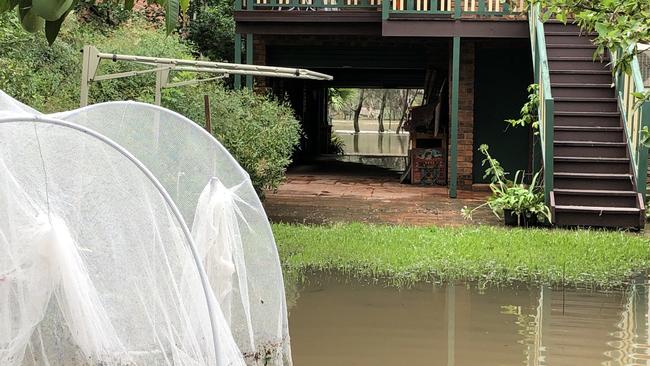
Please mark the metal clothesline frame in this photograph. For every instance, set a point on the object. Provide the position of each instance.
(163, 66)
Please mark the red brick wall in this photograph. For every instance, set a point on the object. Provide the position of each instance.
(465, 114)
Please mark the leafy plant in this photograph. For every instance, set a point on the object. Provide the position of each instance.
(212, 29)
(49, 15)
(337, 145)
(529, 111)
(523, 200)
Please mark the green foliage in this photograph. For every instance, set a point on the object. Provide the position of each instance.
(48, 77)
(55, 12)
(524, 200)
(340, 97)
(213, 30)
(337, 145)
(103, 13)
(620, 24)
(404, 255)
(44, 77)
(529, 111)
(261, 133)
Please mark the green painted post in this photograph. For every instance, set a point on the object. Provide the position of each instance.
(453, 133)
(458, 9)
(237, 59)
(238, 4)
(642, 161)
(434, 6)
(548, 150)
(481, 7)
(385, 9)
(249, 59)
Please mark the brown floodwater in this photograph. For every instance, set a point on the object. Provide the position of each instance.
(374, 144)
(336, 322)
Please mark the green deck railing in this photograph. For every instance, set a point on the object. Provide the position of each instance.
(456, 8)
(635, 116)
(546, 107)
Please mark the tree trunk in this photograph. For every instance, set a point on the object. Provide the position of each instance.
(380, 118)
(405, 107)
(357, 111)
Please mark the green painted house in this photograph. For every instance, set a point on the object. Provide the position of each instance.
(483, 54)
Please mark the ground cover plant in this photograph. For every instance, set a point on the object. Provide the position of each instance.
(404, 255)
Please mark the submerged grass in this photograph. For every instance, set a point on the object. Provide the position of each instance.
(404, 255)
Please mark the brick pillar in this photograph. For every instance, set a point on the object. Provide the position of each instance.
(259, 58)
(466, 115)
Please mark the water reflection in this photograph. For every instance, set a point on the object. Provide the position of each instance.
(374, 143)
(351, 323)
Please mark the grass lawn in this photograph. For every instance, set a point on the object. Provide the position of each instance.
(487, 254)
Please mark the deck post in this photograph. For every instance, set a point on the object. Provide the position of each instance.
(642, 161)
(249, 59)
(237, 59)
(453, 133)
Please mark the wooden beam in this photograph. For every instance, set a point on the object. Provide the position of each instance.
(453, 133)
(426, 25)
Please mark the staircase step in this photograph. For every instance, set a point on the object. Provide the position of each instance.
(573, 104)
(564, 64)
(567, 50)
(566, 38)
(578, 58)
(590, 149)
(593, 134)
(601, 198)
(592, 216)
(581, 90)
(595, 119)
(581, 76)
(592, 181)
(590, 165)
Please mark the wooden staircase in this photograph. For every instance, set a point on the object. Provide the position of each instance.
(593, 182)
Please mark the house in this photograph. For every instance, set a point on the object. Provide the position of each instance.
(487, 53)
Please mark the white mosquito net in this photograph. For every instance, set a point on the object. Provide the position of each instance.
(96, 265)
(219, 203)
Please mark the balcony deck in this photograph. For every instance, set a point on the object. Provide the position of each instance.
(430, 18)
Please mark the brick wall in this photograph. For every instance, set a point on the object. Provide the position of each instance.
(259, 58)
(466, 115)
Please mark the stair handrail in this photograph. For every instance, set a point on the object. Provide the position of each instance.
(546, 104)
(635, 116)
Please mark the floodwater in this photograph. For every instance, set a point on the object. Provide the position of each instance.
(374, 143)
(334, 322)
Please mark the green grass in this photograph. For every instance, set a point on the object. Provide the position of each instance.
(404, 255)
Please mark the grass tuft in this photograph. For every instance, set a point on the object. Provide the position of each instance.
(404, 255)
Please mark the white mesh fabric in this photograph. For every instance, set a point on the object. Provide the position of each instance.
(229, 224)
(10, 106)
(95, 268)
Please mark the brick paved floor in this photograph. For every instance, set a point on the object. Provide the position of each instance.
(329, 192)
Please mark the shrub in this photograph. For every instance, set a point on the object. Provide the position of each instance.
(213, 29)
(259, 131)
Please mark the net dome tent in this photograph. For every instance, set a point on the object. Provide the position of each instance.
(96, 264)
(219, 203)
